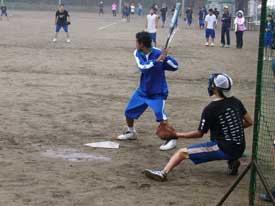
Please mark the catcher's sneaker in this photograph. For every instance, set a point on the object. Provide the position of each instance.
(168, 145)
(233, 167)
(54, 40)
(156, 175)
(128, 136)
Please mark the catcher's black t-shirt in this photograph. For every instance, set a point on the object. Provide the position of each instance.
(62, 17)
(224, 119)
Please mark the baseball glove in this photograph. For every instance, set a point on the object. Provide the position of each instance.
(166, 132)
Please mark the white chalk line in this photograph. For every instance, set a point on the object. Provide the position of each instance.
(109, 25)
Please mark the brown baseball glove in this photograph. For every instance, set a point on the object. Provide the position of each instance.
(166, 132)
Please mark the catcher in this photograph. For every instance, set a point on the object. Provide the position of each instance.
(226, 118)
(152, 91)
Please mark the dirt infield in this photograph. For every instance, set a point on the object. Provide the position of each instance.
(57, 97)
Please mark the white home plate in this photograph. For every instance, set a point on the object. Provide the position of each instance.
(74, 155)
(106, 145)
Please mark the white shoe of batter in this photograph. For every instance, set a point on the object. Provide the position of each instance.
(54, 40)
(68, 41)
(168, 145)
(128, 136)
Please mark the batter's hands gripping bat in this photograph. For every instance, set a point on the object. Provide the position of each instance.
(173, 25)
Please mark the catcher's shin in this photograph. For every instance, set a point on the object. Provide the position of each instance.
(166, 131)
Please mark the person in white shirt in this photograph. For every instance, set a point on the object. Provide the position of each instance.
(210, 25)
(152, 25)
(133, 9)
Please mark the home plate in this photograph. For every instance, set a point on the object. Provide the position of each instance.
(106, 145)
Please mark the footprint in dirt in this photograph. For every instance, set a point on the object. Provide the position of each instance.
(144, 186)
(119, 187)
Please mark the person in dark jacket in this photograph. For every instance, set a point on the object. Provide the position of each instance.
(201, 18)
(189, 16)
(226, 26)
(217, 13)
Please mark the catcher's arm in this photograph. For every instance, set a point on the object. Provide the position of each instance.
(192, 134)
(247, 121)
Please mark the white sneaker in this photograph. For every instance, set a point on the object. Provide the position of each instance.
(156, 175)
(68, 41)
(54, 40)
(206, 44)
(128, 136)
(227, 46)
(212, 44)
(264, 58)
(270, 58)
(168, 145)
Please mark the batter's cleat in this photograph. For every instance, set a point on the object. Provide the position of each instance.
(233, 167)
(206, 44)
(168, 145)
(68, 41)
(54, 40)
(128, 136)
(156, 175)
(212, 44)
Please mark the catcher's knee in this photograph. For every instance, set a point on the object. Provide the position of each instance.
(183, 153)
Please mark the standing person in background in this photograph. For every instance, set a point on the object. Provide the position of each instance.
(101, 8)
(133, 9)
(163, 12)
(189, 16)
(155, 8)
(126, 11)
(217, 13)
(226, 26)
(62, 20)
(140, 9)
(268, 38)
(152, 25)
(201, 18)
(239, 23)
(4, 12)
(210, 24)
(114, 8)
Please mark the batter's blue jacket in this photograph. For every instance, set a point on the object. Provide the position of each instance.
(153, 81)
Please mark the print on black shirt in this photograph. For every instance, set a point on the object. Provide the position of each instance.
(62, 17)
(224, 119)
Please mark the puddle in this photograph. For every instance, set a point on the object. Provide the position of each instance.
(74, 155)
